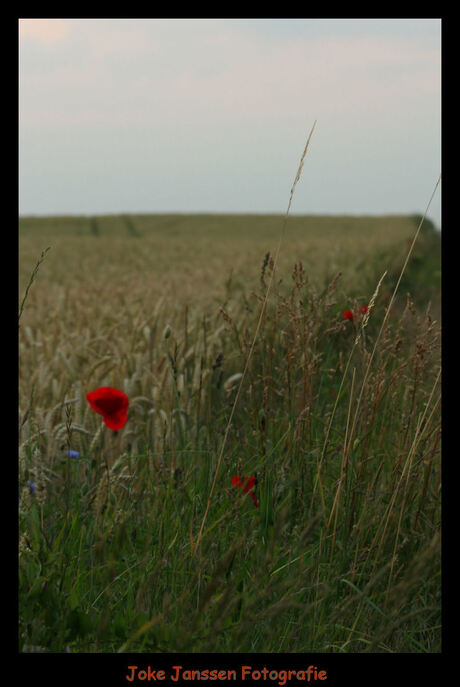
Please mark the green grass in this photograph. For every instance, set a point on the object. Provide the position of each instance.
(343, 553)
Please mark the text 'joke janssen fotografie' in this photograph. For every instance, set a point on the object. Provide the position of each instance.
(177, 673)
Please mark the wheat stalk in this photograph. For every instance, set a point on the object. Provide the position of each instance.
(264, 304)
(364, 324)
(32, 277)
(387, 313)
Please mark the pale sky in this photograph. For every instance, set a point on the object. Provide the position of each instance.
(212, 115)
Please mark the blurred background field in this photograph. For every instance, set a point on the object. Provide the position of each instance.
(194, 256)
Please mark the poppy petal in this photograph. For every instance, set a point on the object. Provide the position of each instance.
(111, 403)
(248, 484)
(116, 420)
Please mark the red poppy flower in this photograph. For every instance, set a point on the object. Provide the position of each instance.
(112, 404)
(363, 309)
(348, 315)
(247, 483)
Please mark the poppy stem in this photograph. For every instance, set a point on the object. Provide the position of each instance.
(173, 378)
(107, 462)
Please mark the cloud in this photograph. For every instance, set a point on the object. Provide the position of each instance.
(209, 70)
(45, 31)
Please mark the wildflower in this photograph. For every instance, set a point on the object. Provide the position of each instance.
(32, 487)
(72, 454)
(350, 315)
(112, 404)
(247, 483)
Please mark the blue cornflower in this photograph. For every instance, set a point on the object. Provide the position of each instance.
(72, 454)
(32, 487)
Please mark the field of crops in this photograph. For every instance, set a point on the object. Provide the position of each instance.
(235, 366)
